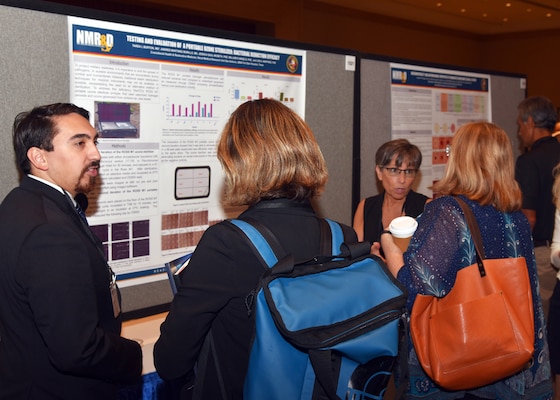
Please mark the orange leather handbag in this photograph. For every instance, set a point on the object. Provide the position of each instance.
(483, 329)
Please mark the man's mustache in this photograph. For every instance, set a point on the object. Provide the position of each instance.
(93, 164)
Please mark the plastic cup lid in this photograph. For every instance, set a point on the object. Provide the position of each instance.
(402, 227)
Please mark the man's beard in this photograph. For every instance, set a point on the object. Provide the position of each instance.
(87, 187)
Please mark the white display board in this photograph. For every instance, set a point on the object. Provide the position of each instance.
(159, 100)
(428, 105)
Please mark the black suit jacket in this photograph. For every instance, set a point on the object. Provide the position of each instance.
(59, 336)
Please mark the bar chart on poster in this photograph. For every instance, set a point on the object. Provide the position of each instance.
(176, 91)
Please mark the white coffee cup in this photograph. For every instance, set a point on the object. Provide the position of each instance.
(402, 229)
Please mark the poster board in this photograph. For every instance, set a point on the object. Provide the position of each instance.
(38, 64)
(160, 100)
(428, 105)
(499, 94)
(347, 104)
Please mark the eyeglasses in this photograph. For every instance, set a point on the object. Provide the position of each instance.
(392, 171)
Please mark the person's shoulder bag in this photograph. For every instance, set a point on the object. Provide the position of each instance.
(483, 329)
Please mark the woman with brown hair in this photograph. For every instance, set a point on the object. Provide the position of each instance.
(480, 171)
(272, 164)
(396, 166)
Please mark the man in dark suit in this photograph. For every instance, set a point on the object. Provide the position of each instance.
(60, 317)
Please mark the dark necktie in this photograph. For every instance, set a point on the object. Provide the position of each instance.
(81, 213)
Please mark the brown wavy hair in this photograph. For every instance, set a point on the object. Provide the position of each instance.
(267, 151)
(403, 150)
(481, 167)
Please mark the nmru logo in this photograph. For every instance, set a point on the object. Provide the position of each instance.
(95, 39)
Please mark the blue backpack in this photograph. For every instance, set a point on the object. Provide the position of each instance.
(330, 328)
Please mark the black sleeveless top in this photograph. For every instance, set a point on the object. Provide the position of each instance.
(373, 225)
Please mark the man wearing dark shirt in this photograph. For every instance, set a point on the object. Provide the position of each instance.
(536, 121)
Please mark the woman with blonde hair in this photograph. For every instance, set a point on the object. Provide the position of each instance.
(480, 170)
(272, 164)
(554, 308)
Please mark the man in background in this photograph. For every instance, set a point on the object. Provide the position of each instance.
(536, 121)
(60, 316)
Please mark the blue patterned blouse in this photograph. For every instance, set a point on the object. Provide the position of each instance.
(440, 247)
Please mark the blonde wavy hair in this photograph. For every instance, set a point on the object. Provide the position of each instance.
(556, 186)
(481, 167)
(267, 151)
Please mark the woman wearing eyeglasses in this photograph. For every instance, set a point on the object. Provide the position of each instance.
(396, 166)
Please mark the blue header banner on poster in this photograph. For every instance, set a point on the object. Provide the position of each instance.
(436, 79)
(117, 43)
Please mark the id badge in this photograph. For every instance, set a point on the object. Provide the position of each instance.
(115, 299)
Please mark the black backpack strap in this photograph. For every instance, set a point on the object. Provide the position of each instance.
(322, 362)
(400, 369)
(262, 241)
(208, 348)
(325, 238)
(326, 231)
(270, 237)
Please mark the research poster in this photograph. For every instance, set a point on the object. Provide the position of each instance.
(159, 100)
(428, 105)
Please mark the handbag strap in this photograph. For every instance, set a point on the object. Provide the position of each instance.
(475, 234)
